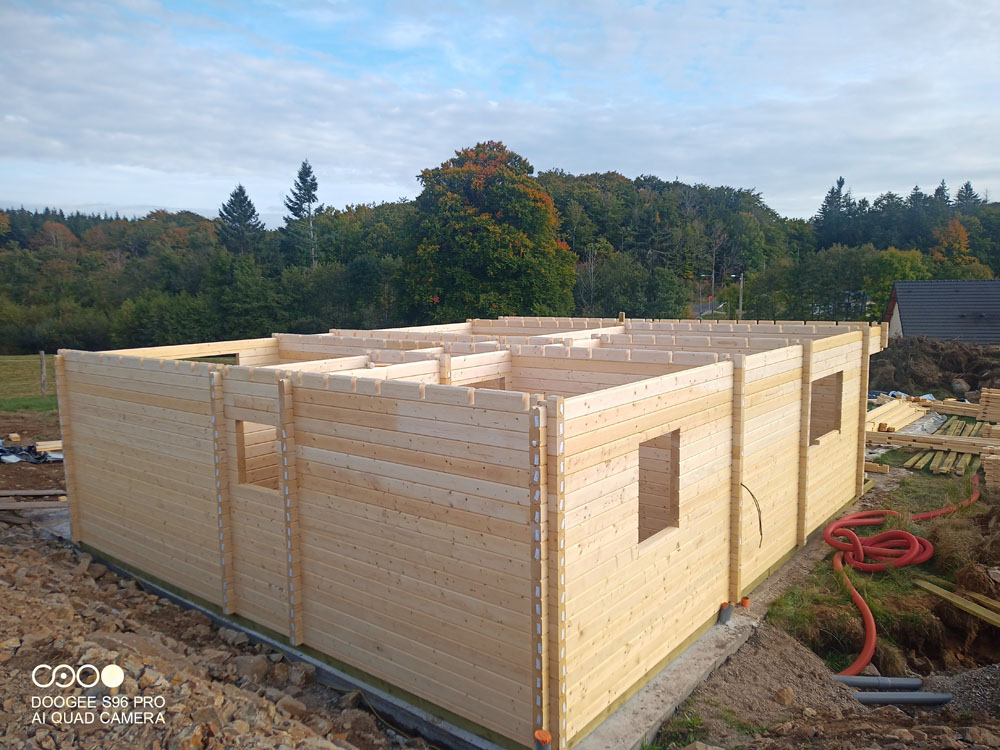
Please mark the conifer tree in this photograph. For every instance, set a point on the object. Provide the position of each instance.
(300, 204)
(240, 228)
(967, 198)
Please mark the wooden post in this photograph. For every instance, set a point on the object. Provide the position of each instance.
(538, 490)
(804, 439)
(736, 500)
(866, 344)
(445, 377)
(556, 412)
(45, 374)
(66, 429)
(223, 504)
(288, 491)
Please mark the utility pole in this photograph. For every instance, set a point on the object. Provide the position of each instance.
(739, 315)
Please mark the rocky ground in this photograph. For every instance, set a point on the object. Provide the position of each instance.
(204, 688)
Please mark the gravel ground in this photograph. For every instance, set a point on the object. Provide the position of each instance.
(976, 690)
(217, 691)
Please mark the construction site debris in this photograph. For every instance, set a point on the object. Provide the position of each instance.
(29, 453)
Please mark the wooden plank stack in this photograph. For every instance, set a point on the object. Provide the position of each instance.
(516, 521)
(991, 467)
(893, 415)
(989, 405)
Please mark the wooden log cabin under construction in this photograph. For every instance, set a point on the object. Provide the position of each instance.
(518, 522)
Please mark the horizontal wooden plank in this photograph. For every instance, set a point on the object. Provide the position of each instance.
(208, 349)
(515, 509)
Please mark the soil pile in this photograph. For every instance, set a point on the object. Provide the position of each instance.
(920, 365)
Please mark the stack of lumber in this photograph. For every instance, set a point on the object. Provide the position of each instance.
(951, 449)
(991, 431)
(952, 407)
(892, 415)
(989, 405)
(991, 466)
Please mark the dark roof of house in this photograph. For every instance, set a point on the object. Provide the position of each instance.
(967, 311)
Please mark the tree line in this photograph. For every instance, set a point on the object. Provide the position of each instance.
(486, 236)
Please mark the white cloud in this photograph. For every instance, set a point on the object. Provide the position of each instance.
(143, 105)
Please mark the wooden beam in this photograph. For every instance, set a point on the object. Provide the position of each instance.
(937, 441)
(555, 437)
(539, 596)
(222, 497)
(804, 419)
(32, 493)
(288, 490)
(984, 600)
(65, 428)
(33, 504)
(866, 345)
(736, 494)
(993, 618)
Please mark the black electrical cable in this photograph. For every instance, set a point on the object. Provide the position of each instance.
(760, 517)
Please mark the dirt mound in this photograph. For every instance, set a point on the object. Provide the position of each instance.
(771, 679)
(919, 365)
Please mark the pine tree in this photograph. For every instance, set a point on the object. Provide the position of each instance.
(240, 228)
(300, 203)
(966, 198)
(941, 193)
(832, 220)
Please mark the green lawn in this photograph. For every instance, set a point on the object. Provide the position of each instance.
(20, 383)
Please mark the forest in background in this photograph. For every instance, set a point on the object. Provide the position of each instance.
(486, 236)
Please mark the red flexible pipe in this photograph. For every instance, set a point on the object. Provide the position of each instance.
(894, 549)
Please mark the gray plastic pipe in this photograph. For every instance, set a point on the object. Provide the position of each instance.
(881, 683)
(912, 697)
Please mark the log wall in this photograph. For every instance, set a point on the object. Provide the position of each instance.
(144, 482)
(630, 603)
(519, 533)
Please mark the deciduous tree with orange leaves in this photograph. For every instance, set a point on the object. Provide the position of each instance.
(488, 242)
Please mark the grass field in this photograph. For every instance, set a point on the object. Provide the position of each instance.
(20, 384)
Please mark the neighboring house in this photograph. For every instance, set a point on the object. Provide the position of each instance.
(967, 311)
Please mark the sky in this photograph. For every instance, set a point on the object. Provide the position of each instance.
(137, 105)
